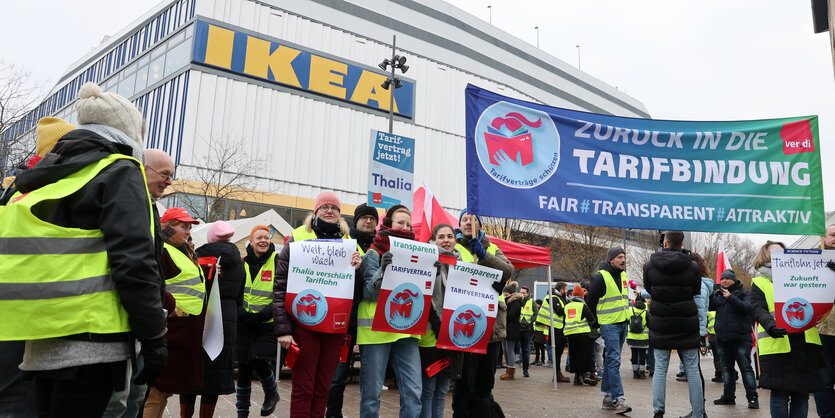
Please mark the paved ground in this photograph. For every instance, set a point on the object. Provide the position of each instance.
(534, 397)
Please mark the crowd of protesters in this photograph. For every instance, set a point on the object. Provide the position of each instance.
(127, 298)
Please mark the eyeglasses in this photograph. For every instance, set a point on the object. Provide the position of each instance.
(329, 208)
(165, 177)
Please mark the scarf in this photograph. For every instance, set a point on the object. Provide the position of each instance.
(114, 135)
(381, 240)
(325, 230)
(364, 239)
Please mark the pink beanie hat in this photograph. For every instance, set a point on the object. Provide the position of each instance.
(327, 198)
(220, 231)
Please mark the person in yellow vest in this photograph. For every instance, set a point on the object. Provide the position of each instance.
(538, 335)
(579, 321)
(318, 351)
(376, 347)
(256, 344)
(473, 392)
(525, 330)
(436, 387)
(711, 342)
(366, 219)
(789, 363)
(88, 257)
(552, 310)
(638, 341)
(608, 298)
(184, 283)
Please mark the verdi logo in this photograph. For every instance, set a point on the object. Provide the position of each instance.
(797, 137)
(517, 146)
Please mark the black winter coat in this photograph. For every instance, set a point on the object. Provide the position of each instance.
(795, 371)
(256, 339)
(672, 279)
(116, 202)
(514, 304)
(218, 374)
(733, 315)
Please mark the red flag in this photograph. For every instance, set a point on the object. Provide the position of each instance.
(428, 213)
(722, 263)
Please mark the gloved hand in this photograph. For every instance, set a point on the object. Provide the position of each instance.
(263, 315)
(831, 265)
(477, 248)
(154, 355)
(385, 260)
(438, 264)
(498, 286)
(776, 332)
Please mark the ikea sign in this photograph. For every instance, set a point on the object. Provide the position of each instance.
(290, 66)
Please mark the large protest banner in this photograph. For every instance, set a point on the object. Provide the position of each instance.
(552, 164)
(406, 291)
(391, 171)
(804, 287)
(320, 284)
(470, 306)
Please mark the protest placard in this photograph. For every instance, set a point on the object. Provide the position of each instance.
(804, 287)
(406, 292)
(470, 306)
(320, 284)
(391, 170)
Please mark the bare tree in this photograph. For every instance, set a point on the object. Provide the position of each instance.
(225, 172)
(581, 248)
(18, 95)
(739, 250)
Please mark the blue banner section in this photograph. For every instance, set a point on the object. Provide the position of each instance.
(530, 161)
(291, 66)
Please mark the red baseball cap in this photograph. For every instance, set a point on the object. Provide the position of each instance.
(180, 214)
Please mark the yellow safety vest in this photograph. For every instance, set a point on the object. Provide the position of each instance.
(545, 315)
(259, 293)
(55, 281)
(527, 311)
(711, 322)
(429, 339)
(573, 322)
(644, 335)
(187, 287)
(613, 307)
(767, 345)
(467, 256)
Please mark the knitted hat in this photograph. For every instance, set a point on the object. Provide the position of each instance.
(110, 109)
(258, 228)
(327, 198)
(363, 210)
(729, 274)
(509, 289)
(220, 231)
(49, 130)
(179, 214)
(466, 211)
(578, 291)
(614, 252)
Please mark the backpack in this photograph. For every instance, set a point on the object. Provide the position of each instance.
(636, 323)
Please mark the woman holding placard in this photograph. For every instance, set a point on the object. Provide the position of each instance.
(377, 346)
(318, 352)
(443, 365)
(789, 363)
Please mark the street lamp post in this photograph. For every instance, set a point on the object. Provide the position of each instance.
(537, 36)
(490, 10)
(578, 57)
(396, 62)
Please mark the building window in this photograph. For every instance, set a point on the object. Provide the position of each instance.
(177, 58)
(155, 70)
(126, 86)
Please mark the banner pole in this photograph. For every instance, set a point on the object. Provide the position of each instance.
(551, 320)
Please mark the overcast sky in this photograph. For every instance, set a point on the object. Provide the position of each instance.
(689, 60)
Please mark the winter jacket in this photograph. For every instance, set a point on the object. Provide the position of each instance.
(499, 262)
(17, 393)
(673, 280)
(256, 338)
(184, 370)
(514, 304)
(795, 371)
(703, 303)
(597, 288)
(218, 375)
(116, 202)
(733, 315)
